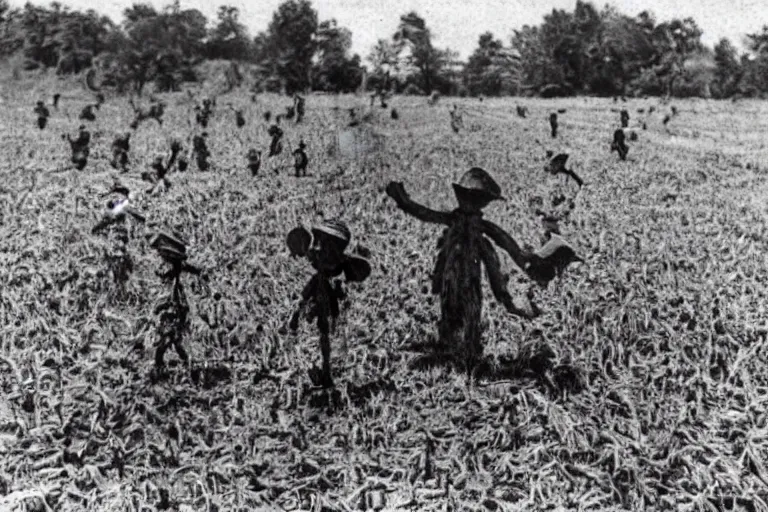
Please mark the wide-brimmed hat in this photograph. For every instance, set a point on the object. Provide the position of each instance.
(477, 183)
(335, 229)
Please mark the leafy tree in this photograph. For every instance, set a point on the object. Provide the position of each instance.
(334, 70)
(229, 38)
(413, 34)
(288, 46)
(156, 46)
(492, 69)
(728, 70)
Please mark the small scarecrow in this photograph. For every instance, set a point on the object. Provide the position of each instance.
(42, 115)
(254, 161)
(553, 124)
(624, 118)
(174, 310)
(324, 248)
(120, 148)
(300, 159)
(619, 144)
(80, 148)
(463, 249)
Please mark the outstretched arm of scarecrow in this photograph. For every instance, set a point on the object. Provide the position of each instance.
(396, 191)
(506, 242)
(499, 283)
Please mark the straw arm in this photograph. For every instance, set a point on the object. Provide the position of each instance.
(396, 191)
(506, 242)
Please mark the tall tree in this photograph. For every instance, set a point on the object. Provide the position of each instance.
(491, 69)
(728, 70)
(412, 34)
(289, 44)
(334, 69)
(229, 38)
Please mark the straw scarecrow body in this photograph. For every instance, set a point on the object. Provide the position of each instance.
(42, 115)
(462, 251)
(321, 295)
(173, 312)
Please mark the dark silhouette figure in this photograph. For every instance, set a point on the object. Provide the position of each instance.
(87, 113)
(457, 122)
(267, 115)
(521, 111)
(299, 105)
(393, 114)
(624, 118)
(120, 147)
(174, 311)
(300, 160)
(42, 115)
(463, 250)
(200, 149)
(276, 144)
(254, 161)
(324, 249)
(353, 119)
(80, 148)
(239, 118)
(619, 144)
(551, 260)
(553, 124)
(56, 98)
(557, 166)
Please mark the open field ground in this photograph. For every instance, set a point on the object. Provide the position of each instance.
(643, 386)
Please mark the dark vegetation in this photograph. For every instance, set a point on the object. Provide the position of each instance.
(586, 51)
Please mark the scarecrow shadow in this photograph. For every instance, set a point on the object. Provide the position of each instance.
(536, 365)
(336, 399)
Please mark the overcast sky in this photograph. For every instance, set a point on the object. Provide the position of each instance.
(457, 24)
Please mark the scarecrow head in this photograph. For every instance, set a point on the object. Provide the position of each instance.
(476, 189)
(325, 247)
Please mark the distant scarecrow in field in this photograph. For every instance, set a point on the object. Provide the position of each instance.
(553, 124)
(298, 102)
(619, 144)
(521, 111)
(42, 115)
(300, 159)
(161, 169)
(56, 98)
(80, 148)
(174, 310)
(463, 250)
(200, 149)
(239, 116)
(624, 118)
(87, 113)
(457, 122)
(254, 161)
(276, 144)
(116, 254)
(120, 147)
(324, 248)
(353, 119)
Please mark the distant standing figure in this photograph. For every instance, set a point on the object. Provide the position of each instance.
(553, 124)
(42, 115)
(300, 160)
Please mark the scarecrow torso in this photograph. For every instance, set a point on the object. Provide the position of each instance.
(458, 270)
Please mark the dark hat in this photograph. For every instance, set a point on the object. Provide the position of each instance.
(476, 182)
(335, 229)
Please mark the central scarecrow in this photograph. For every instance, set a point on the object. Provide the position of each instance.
(462, 248)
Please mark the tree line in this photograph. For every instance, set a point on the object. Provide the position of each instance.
(586, 51)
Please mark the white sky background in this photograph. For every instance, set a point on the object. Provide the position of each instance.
(457, 24)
